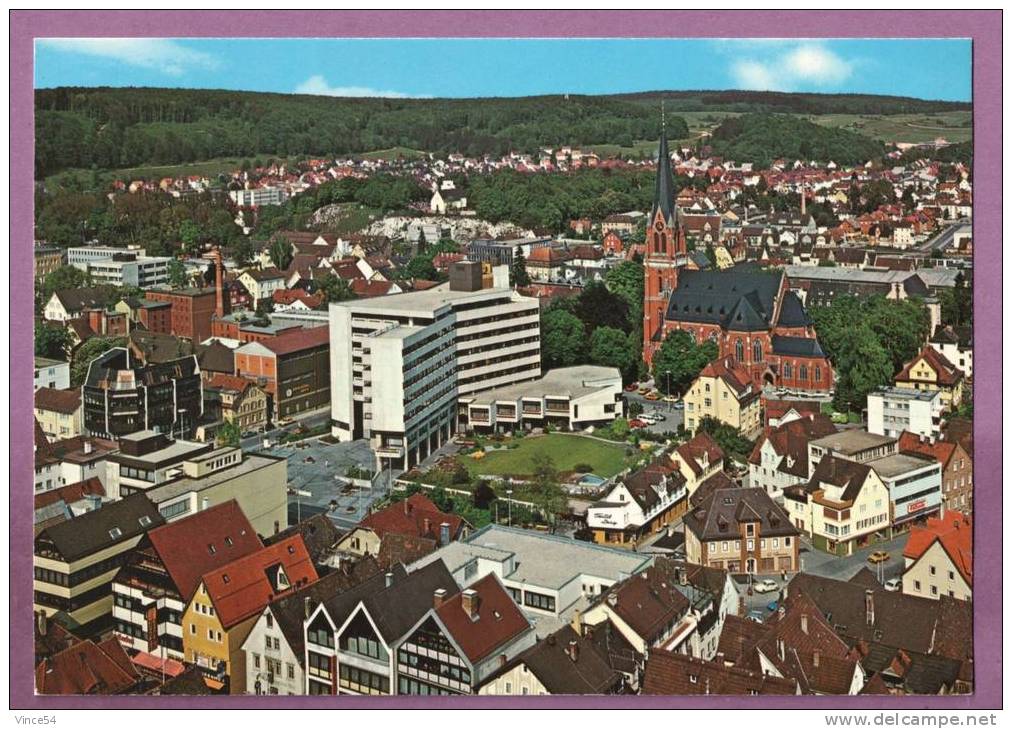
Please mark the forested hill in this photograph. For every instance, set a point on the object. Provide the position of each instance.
(762, 138)
(792, 103)
(110, 128)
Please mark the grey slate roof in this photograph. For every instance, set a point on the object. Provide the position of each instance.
(797, 346)
(95, 530)
(739, 298)
(719, 515)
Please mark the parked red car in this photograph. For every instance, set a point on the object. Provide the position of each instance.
(637, 423)
(632, 387)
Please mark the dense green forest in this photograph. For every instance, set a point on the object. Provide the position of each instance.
(109, 128)
(762, 138)
(792, 103)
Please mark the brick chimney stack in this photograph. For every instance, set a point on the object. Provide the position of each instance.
(469, 601)
(438, 597)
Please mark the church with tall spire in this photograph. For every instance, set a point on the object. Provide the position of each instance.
(665, 243)
(751, 314)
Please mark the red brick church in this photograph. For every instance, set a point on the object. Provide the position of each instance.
(752, 314)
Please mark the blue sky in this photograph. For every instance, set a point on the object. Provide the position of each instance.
(929, 68)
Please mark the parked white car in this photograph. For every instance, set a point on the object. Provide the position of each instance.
(765, 586)
(893, 585)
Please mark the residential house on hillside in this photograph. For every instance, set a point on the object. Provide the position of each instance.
(51, 373)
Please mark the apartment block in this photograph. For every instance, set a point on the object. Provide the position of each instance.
(400, 363)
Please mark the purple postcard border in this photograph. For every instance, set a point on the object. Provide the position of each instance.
(983, 27)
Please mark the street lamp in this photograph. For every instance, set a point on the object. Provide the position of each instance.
(667, 375)
(509, 507)
(299, 493)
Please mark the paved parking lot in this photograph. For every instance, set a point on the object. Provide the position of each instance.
(318, 468)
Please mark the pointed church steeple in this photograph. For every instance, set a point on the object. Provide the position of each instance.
(664, 190)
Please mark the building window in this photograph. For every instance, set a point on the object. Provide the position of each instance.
(757, 351)
(739, 351)
(803, 373)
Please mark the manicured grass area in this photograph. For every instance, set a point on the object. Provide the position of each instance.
(566, 452)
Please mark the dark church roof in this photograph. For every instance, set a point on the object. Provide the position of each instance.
(664, 191)
(736, 299)
(797, 347)
(792, 313)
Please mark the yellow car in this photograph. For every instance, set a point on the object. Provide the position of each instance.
(877, 557)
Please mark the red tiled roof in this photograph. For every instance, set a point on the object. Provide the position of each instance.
(693, 450)
(244, 587)
(229, 383)
(941, 450)
(87, 668)
(776, 409)
(415, 516)
(70, 493)
(497, 619)
(946, 373)
(736, 376)
(367, 289)
(547, 254)
(297, 340)
(290, 296)
(185, 546)
(954, 532)
(59, 401)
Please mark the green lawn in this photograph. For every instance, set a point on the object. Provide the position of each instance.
(566, 452)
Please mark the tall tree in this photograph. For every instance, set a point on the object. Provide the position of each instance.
(563, 339)
(609, 347)
(281, 253)
(679, 360)
(518, 271)
(546, 493)
(52, 341)
(177, 274)
(334, 289)
(64, 277)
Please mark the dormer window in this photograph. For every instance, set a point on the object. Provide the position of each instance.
(144, 520)
(115, 532)
(750, 530)
(211, 549)
(228, 541)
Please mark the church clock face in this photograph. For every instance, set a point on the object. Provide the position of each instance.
(659, 226)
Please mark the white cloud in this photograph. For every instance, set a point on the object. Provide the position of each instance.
(159, 54)
(317, 86)
(754, 76)
(807, 64)
(817, 64)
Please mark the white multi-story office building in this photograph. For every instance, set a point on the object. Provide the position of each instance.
(892, 410)
(399, 363)
(120, 266)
